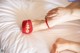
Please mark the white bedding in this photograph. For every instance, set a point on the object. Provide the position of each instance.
(12, 40)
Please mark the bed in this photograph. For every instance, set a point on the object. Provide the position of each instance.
(13, 12)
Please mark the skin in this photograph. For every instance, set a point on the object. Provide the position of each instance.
(55, 16)
(65, 45)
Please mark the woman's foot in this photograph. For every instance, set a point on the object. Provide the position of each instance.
(62, 45)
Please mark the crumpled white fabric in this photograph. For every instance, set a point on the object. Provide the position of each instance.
(12, 40)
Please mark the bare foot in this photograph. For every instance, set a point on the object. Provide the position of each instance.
(62, 44)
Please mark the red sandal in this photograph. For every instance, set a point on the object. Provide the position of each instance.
(27, 26)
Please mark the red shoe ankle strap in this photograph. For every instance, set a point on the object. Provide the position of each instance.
(47, 22)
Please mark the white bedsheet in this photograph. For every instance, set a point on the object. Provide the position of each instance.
(12, 40)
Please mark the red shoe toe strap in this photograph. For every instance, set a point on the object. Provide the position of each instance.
(27, 26)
